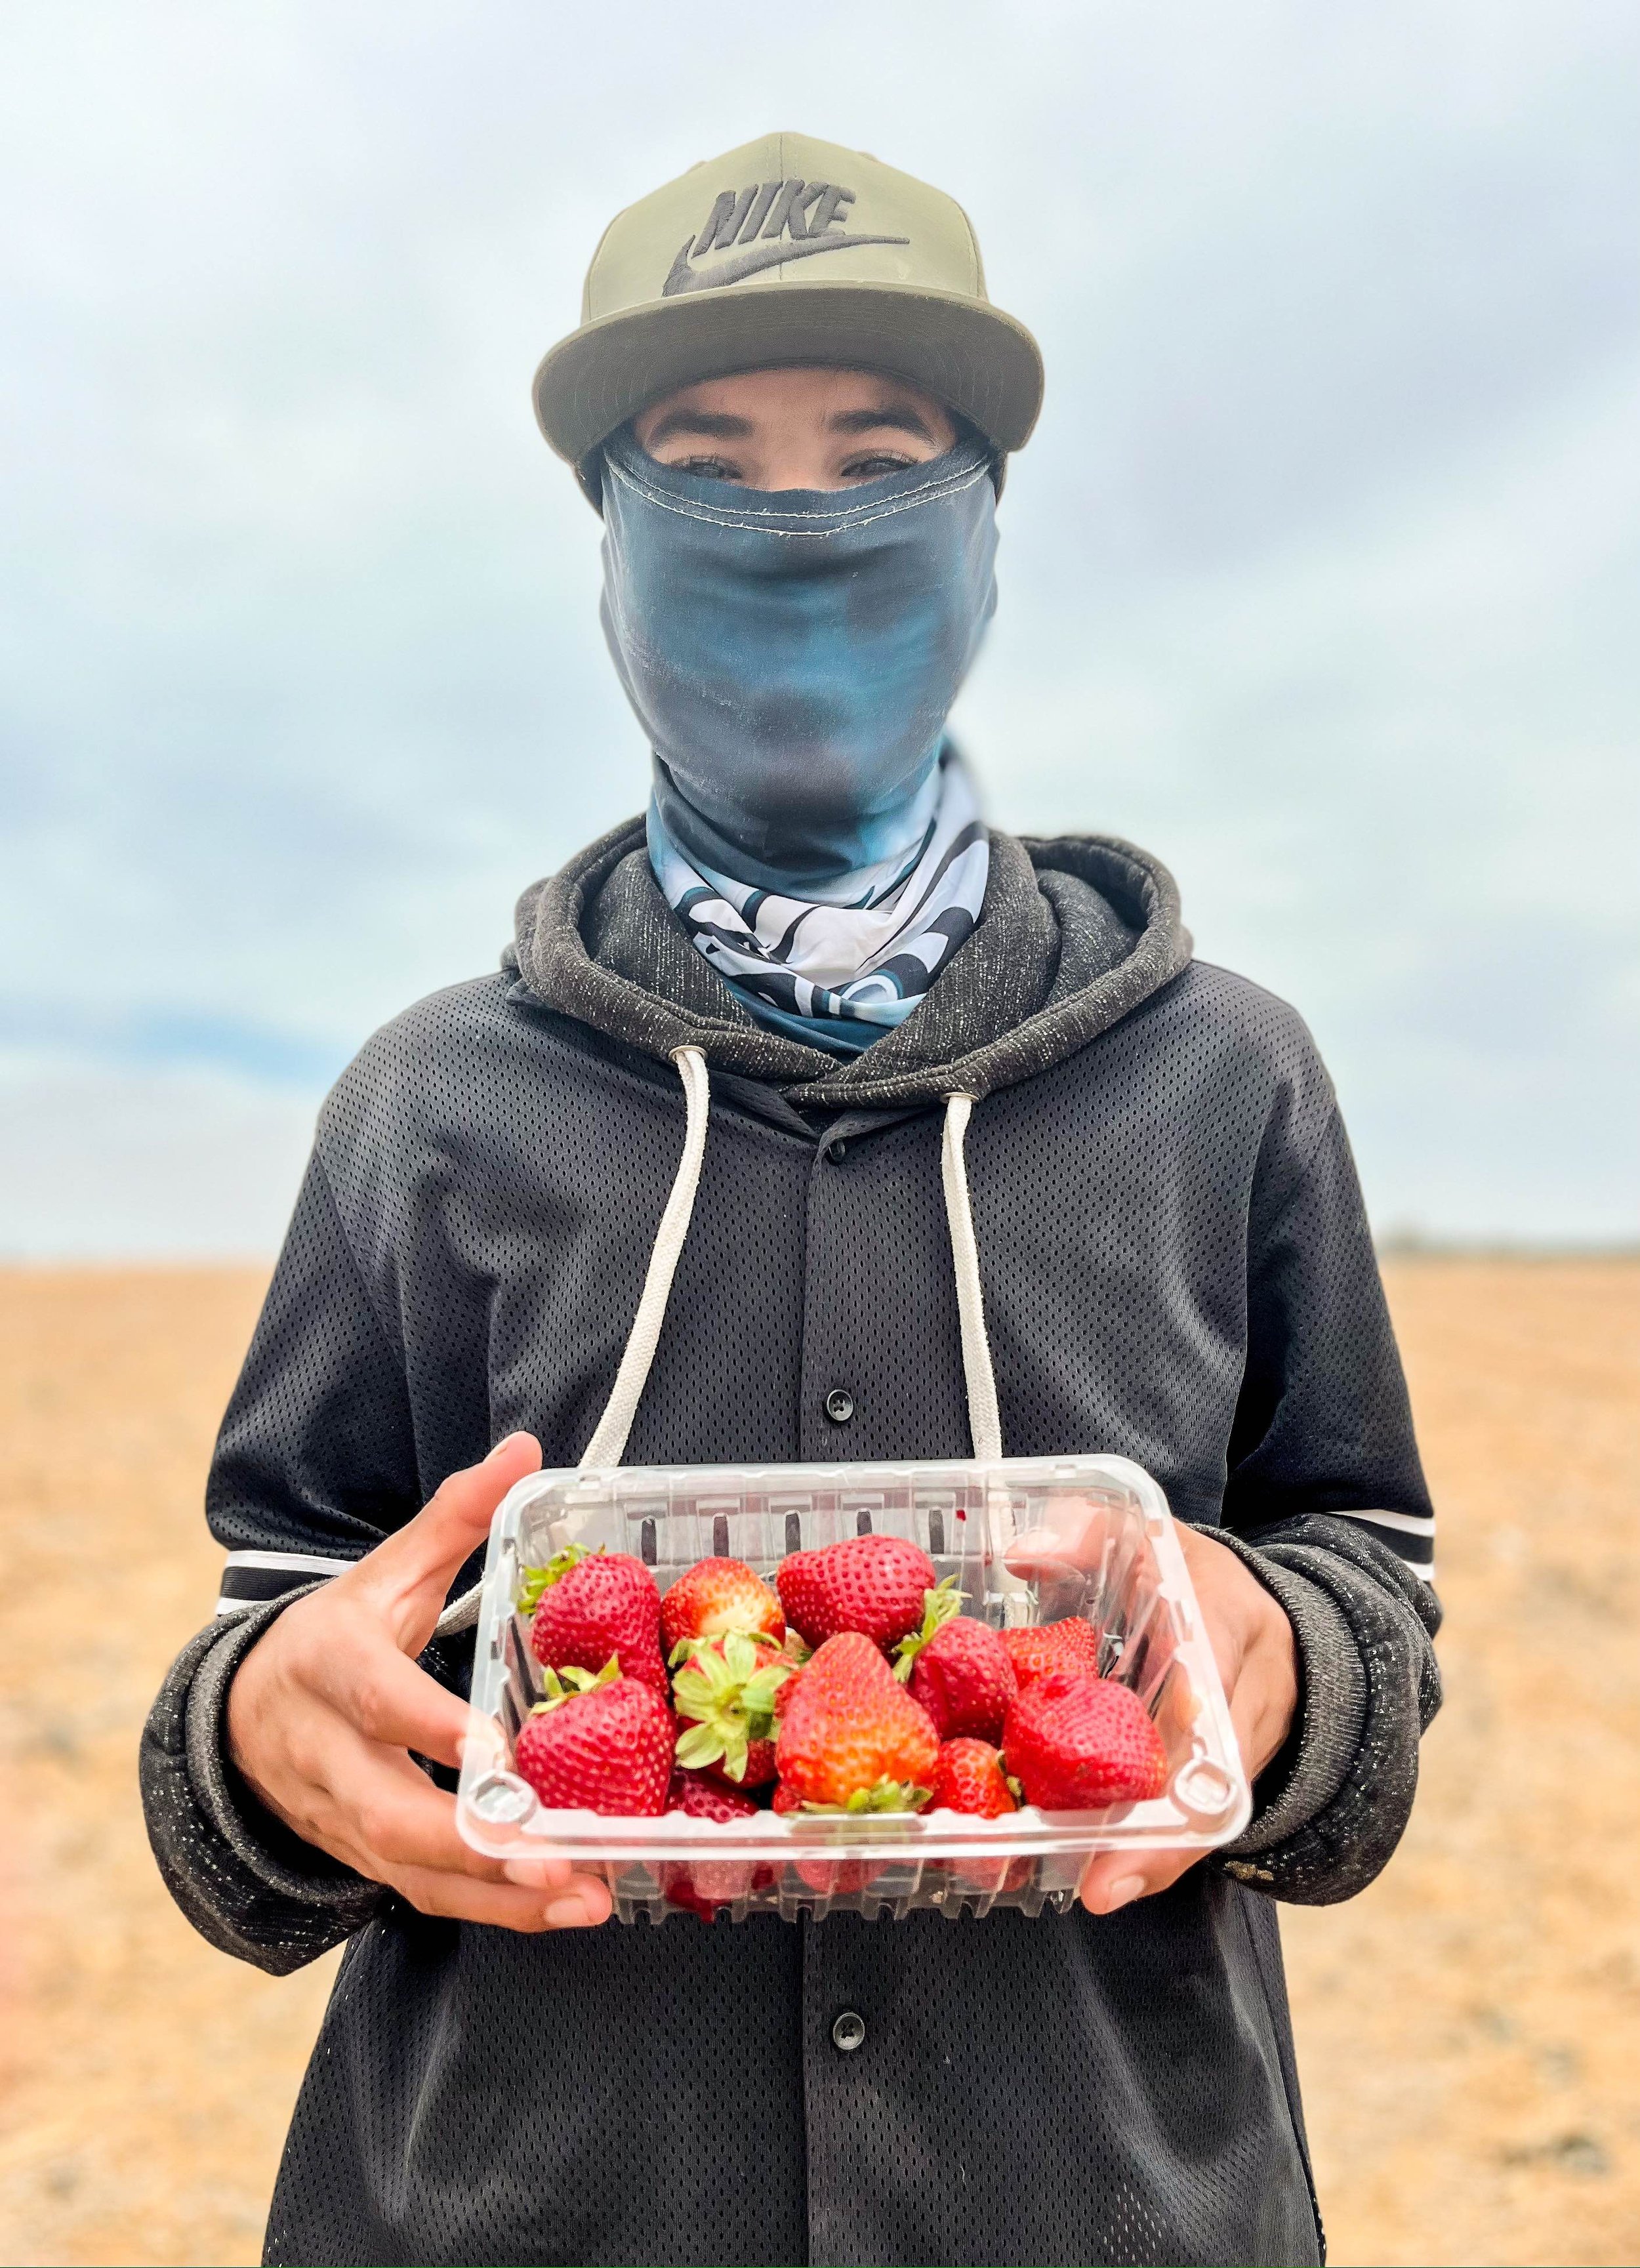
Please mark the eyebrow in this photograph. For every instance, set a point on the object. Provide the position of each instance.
(719, 425)
(902, 415)
(715, 424)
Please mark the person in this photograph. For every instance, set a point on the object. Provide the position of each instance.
(792, 402)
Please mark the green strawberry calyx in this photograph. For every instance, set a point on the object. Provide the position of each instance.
(939, 1605)
(562, 1685)
(728, 1689)
(534, 1580)
(686, 1648)
(887, 1796)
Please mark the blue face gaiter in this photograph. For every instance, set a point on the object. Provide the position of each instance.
(793, 655)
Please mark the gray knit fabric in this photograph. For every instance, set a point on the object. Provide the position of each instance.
(1073, 935)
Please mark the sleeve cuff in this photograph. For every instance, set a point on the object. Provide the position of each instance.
(262, 1845)
(1314, 1766)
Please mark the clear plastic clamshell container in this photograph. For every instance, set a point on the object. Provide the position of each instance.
(1029, 1540)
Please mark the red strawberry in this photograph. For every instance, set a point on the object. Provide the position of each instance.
(715, 1597)
(969, 1777)
(1072, 1644)
(701, 1886)
(599, 1743)
(872, 1584)
(798, 1655)
(836, 1878)
(961, 1674)
(1077, 1743)
(592, 1606)
(832, 1877)
(727, 1692)
(851, 1738)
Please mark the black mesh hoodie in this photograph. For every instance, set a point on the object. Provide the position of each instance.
(1177, 1268)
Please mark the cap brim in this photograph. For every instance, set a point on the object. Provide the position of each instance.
(978, 360)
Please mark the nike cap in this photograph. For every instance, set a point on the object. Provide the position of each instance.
(787, 251)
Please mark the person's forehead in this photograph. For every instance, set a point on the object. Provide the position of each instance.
(784, 381)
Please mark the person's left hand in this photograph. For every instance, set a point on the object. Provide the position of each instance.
(1258, 1660)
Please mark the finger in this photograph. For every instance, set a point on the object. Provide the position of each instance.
(389, 1814)
(385, 1697)
(1116, 1878)
(1072, 1538)
(404, 1821)
(582, 1904)
(539, 1874)
(416, 1567)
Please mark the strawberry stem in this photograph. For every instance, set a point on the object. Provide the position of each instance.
(939, 1605)
(534, 1580)
(562, 1685)
(887, 1796)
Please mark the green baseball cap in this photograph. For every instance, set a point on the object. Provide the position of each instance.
(787, 250)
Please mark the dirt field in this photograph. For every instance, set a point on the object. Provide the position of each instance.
(1470, 2029)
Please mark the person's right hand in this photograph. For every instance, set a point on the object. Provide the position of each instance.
(325, 1706)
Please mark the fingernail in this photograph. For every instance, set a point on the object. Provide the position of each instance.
(567, 1913)
(1124, 1892)
(505, 1442)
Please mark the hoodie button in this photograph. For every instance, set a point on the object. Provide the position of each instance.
(839, 1406)
(837, 1153)
(848, 2032)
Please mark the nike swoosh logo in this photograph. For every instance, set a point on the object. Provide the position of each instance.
(684, 279)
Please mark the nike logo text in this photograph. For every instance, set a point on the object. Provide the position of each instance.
(809, 213)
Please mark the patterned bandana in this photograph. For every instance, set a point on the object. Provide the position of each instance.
(838, 969)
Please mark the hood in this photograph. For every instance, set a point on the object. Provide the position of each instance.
(1075, 932)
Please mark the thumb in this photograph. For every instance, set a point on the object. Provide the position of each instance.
(411, 1572)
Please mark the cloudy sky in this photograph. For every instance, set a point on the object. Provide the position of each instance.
(1321, 577)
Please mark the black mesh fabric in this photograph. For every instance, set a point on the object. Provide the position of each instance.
(717, 2120)
(1176, 1269)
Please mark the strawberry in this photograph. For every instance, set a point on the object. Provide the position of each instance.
(969, 1777)
(798, 1655)
(872, 1584)
(1077, 1743)
(589, 1606)
(1072, 1644)
(851, 1738)
(597, 1743)
(838, 1877)
(701, 1886)
(728, 1690)
(715, 1597)
(959, 1671)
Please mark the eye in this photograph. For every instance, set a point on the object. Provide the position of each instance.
(706, 468)
(874, 464)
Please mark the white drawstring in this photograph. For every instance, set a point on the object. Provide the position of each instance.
(610, 1437)
(985, 1420)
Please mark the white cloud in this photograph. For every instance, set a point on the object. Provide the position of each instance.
(1319, 577)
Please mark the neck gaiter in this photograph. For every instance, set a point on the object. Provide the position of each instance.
(792, 657)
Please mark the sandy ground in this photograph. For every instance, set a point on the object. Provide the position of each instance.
(1468, 2029)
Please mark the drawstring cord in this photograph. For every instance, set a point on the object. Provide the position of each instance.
(984, 1419)
(609, 1439)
